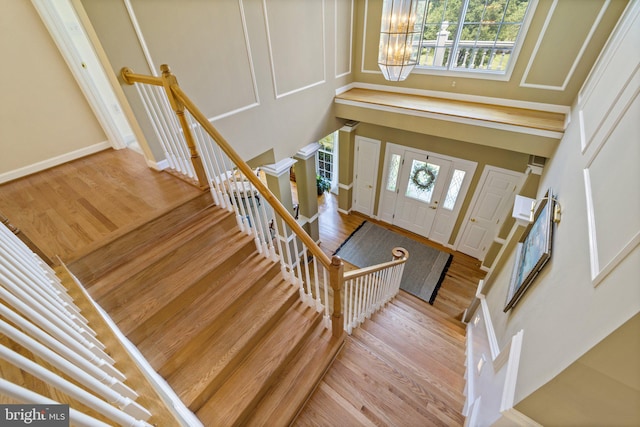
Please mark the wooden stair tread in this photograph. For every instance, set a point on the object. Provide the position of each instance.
(164, 342)
(214, 278)
(110, 254)
(408, 300)
(287, 396)
(165, 247)
(218, 355)
(237, 397)
(166, 257)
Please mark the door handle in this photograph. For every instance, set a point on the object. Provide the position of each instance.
(433, 207)
(473, 220)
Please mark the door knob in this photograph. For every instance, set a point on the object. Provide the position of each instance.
(473, 220)
(433, 207)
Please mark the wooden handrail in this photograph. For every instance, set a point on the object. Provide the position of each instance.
(179, 102)
(130, 77)
(400, 256)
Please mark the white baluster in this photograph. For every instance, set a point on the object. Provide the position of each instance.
(76, 392)
(45, 339)
(81, 376)
(143, 92)
(63, 333)
(24, 395)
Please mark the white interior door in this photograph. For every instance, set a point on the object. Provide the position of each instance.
(422, 182)
(367, 153)
(495, 194)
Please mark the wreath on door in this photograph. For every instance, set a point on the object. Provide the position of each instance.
(423, 177)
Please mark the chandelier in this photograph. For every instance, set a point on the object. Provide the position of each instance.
(400, 36)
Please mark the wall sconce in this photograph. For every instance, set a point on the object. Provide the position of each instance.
(557, 209)
(400, 37)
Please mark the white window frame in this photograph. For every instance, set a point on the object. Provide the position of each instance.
(479, 73)
(334, 162)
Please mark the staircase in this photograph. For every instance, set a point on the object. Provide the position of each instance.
(212, 315)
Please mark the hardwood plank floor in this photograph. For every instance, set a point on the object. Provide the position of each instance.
(405, 365)
(73, 208)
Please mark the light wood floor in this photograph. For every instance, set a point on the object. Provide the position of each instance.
(405, 367)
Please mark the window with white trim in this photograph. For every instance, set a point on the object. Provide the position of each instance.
(471, 35)
(326, 159)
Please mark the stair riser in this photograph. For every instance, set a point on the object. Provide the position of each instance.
(218, 304)
(102, 260)
(209, 279)
(223, 375)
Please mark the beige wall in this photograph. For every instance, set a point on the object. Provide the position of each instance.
(604, 385)
(265, 72)
(559, 48)
(566, 311)
(43, 115)
(463, 150)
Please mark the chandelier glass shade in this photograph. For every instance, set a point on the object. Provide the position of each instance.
(400, 35)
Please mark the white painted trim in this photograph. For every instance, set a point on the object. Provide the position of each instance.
(278, 95)
(159, 166)
(233, 112)
(453, 119)
(54, 161)
(488, 323)
(344, 212)
(247, 43)
(314, 218)
(143, 43)
(504, 102)
(499, 240)
(610, 49)
(345, 88)
(279, 168)
(591, 226)
(514, 350)
(88, 81)
(538, 42)
(335, 40)
(625, 92)
(578, 57)
(617, 259)
(308, 151)
(345, 187)
(364, 41)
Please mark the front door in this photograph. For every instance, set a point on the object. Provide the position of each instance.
(422, 182)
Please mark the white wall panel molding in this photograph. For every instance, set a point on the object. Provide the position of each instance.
(278, 91)
(155, 70)
(141, 40)
(54, 161)
(342, 73)
(608, 110)
(613, 82)
(365, 28)
(587, 39)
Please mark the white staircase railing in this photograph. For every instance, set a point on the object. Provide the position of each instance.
(239, 189)
(40, 318)
(368, 289)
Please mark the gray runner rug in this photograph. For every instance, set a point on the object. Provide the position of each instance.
(423, 273)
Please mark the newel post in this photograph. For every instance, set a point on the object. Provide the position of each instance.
(168, 80)
(336, 277)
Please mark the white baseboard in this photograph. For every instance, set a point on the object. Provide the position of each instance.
(159, 166)
(54, 161)
(342, 211)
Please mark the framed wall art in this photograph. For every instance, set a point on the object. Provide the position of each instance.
(533, 250)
